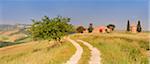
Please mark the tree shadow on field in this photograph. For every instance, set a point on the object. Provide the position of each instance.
(7, 43)
(3, 44)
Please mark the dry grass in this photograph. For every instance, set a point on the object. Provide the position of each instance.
(86, 54)
(36, 53)
(120, 48)
(15, 37)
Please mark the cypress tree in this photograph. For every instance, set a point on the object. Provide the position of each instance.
(139, 28)
(128, 25)
(90, 29)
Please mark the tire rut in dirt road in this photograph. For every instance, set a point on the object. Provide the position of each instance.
(95, 53)
(76, 57)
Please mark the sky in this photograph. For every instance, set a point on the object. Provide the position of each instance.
(81, 12)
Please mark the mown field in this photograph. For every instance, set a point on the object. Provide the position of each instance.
(119, 48)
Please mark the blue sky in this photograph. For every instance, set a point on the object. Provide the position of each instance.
(82, 12)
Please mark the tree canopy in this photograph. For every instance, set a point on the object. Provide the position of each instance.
(80, 29)
(90, 29)
(111, 26)
(50, 28)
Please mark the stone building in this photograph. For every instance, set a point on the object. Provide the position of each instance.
(133, 28)
(100, 29)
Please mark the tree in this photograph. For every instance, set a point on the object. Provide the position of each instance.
(80, 29)
(111, 27)
(128, 26)
(139, 28)
(50, 29)
(90, 29)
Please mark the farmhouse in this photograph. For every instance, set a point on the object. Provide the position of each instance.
(99, 29)
(133, 28)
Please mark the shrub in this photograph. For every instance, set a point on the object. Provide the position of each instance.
(111, 26)
(80, 29)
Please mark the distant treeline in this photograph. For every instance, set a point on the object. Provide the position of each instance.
(8, 27)
(5, 27)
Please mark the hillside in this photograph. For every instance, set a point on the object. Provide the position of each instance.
(36, 52)
(12, 37)
(115, 48)
(119, 48)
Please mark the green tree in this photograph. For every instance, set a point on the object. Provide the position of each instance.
(90, 29)
(50, 29)
(80, 29)
(128, 25)
(111, 27)
(139, 28)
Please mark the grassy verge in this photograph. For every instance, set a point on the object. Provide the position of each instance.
(119, 48)
(85, 56)
(36, 53)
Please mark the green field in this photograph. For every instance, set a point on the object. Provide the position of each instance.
(119, 48)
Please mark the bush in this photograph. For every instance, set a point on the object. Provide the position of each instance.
(80, 29)
(111, 26)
